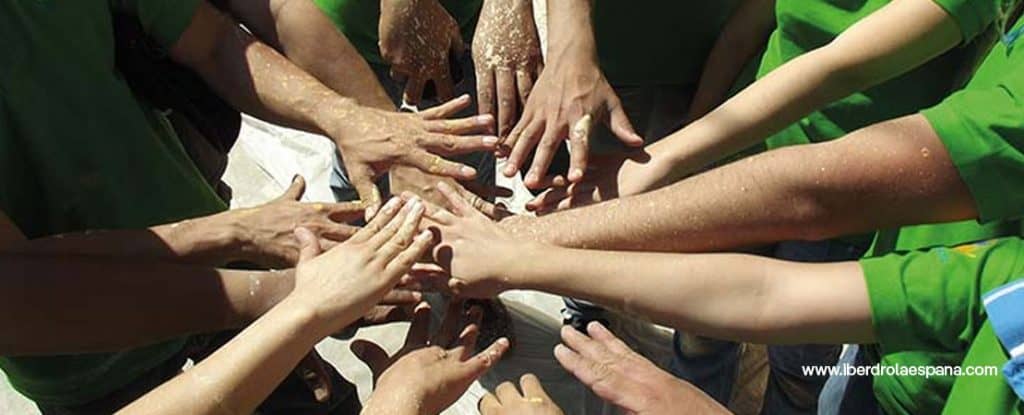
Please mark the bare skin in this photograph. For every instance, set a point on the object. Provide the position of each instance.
(258, 80)
(866, 54)
(627, 380)
(507, 400)
(430, 372)
(417, 39)
(507, 58)
(331, 291)
(569, 98)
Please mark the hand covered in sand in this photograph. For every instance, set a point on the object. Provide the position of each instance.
(507, 400)
(507, 57)
(419, 39)
(373, 141)
(266, 232)
(430, 372)
(624, 378)
(342, 284)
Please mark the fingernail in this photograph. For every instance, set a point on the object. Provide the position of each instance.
(491, 140)
(295, 178)
(417, 208)
(468, 171)
(503, 341)
(577, 172)
(425, 235)
(532, 178)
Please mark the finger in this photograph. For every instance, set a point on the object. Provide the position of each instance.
(479, 124)
(295, 190)
(419, 330)
(309, 245)
(479, 364)
(524, 82)
(372, 355)
(573, 363)
(313, 373)
(524, 143)
(333, 232)
(579, 148)
(447, 109)
(489, 405)
(388, 212)
(445, 336)
(435, 282)
(506, 89)
(438, 166)
(582, 344)
(485, 92)
(401, 297)
(621, 127)
(458, 205)
(404, 261)
(386, 243)
(508, 143)
(546, 150)
(397, 76)
(599, 332)
(507, 392)
(444, 86)
(452, 145)
(342, 212)
(532, 388)
(466, 342)
(414, 90)
(369, 195)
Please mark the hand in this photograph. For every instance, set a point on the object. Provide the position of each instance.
(412, 182)
(428, 375)
(569, 96)
(624, 378)
(506, 400)
(507, 57)
(342, 284)
(480, 257)
(373, 141)
(609, 177)
(267, 234)
(418, 38)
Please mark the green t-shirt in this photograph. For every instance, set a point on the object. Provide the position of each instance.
(359, 20)
(927, 310)
(662, 42)
(79, 151)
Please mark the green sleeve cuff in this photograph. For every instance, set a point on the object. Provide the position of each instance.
(972, 16)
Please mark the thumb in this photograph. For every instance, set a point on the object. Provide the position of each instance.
(369, 195)
(372, 355)
(621, 127)
(309, 245)
(295, 190)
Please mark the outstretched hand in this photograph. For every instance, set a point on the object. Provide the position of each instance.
(418, 39)
(429, 373)
(507, 400)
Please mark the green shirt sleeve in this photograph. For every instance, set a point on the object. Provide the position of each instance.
(165, 20)
(931, 300)
(972, 16)
(983, 130)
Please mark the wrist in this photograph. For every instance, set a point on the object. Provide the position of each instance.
(333, 113)
(222, 237)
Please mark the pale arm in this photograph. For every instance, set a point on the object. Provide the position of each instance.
(812, 192)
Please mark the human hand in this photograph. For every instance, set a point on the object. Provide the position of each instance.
(624, 378)
(408, 181)
(267, 235)
(506, 400)
(373, 141)
(507, 57)
(570, 95)
(340, 285)
(429, 373)
(419, 39)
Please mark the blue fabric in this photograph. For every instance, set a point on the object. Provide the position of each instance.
(1004, 306)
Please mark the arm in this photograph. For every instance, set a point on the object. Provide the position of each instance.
(259, 81)
(852, 185)
(420, 40)
(331, 291)
(742, 37)
(304, 34)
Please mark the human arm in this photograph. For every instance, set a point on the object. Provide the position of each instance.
(626, 379)
(331, 291)
(570, 95)
(744, 34)
(812, 192)
(258, 80)
(429, 373)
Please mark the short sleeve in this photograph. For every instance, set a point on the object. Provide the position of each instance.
(931, 300)
(983, 130)
(164, 20)
(972, 16)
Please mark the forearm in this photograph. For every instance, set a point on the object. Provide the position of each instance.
(812, 192)
(742, 37)
(105, 306)
(254, 77)
(866, 54)
(242, 373)
(304, 34)
(570, 30)
(782, 302)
